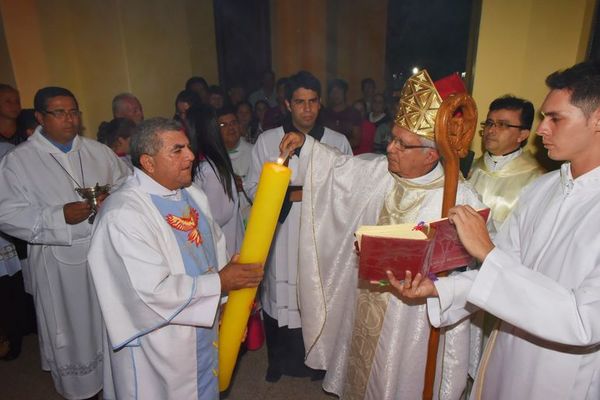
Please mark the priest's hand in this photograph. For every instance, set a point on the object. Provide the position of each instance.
(76, 212)
(419, 288)
(100, 199)
(472, 231)
(239, 276)
(290, 142)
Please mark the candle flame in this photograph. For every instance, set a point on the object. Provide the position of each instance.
(282, 157)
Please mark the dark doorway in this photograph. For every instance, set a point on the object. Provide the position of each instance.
(243, 33)
(594, 45)
(431, 34)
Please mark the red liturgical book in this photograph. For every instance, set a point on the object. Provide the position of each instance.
(427, 248)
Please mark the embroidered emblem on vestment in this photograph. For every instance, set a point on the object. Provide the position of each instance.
(187, 223)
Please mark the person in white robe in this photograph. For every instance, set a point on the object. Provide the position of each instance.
(159, 265)
(278, 291)
(373, 345)
(499, 176)
(541, 274)
(38, 204)
(240, 154)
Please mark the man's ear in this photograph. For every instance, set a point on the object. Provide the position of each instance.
(147, 163)
(433, 156)
(523, 135)
(287, 105)
(39, 117)
(595, 120)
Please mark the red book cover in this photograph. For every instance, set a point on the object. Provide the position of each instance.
(438, 250)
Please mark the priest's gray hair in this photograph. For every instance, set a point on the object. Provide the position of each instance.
(146, 137)
(119, 100)
(427, 142)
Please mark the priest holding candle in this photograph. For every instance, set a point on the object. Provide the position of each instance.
(159, 265)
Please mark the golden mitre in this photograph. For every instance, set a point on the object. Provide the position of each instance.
(418, 106)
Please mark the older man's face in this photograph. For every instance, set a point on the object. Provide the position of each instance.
(230, 130)
(131, 109)
(172, 165)
(407, 157)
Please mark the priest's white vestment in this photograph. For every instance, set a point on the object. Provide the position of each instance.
(278, 294)
(542, 280)
(150, 306)
(34, 190)
(340, 194)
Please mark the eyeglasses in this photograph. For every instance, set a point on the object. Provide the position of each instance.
(62, 114)
(501, 125)
(402, 146)
(235, 122)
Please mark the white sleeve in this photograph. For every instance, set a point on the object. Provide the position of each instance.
(221, 206)
(451, 304)
(22, 217)
(536, 303)
(259, 157)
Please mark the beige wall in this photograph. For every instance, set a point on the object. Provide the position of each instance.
(523, 41)
(99, 48)
(330, 39)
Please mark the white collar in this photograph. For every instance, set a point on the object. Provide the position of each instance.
(429, 177)
(590, 179)
(496, 163)
(39, 138)
(150, 186)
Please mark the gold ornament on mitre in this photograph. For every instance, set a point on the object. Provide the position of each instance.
(418, 105)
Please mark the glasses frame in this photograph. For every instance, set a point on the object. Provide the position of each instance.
(397, 142)
(62, 114)
(488, 123)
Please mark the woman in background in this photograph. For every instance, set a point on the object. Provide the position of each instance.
(213, 174)
(116, 134)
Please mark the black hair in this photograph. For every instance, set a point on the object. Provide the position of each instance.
(583, 81)
(302, 79)
(26, 119)
(7, 88)
(510, 102)
(206, 141)
(281, 81)
(188, 96)
(337, 83)
(225, 110)
(193, 80)
(216, 89)
(364, 83)
(110, 132)
(40, 101)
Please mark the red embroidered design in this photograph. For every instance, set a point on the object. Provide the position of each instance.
(187, 223)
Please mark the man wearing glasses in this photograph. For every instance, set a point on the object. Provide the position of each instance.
(505, 168)
(39, 204)
(371, 343)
